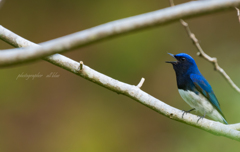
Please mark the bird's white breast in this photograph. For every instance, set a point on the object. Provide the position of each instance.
(200, 103)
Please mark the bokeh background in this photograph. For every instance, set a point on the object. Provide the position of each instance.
(71, 114)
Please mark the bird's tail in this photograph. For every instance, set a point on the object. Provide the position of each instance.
(225, 121)
(218, 116)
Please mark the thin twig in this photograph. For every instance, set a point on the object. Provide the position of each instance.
(141, 83)
(201, 53)
(115, 28)
(81, 66)
(238, 14)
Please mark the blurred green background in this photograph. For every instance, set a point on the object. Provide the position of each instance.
(72, 114)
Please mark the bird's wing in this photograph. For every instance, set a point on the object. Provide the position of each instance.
(205, 89)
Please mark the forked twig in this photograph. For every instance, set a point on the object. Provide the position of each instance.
(201, 53)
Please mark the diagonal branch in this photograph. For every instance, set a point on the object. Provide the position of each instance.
(201, 53)
(131, 91)
(83, 38)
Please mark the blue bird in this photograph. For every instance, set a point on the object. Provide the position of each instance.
(194, 88)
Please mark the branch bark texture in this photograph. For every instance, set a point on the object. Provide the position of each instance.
(82, 38)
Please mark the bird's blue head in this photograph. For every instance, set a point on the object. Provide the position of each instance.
(185, 64)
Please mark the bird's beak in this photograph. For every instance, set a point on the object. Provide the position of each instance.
(172, 61)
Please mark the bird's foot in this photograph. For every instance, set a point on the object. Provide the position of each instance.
(201, 117)
(186, 112)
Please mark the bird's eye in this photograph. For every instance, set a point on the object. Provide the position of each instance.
(183, 59)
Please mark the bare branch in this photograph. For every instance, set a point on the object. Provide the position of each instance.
(83, 38)
(238, 14)
(133, 92)
(205, 56)
(141, 83)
